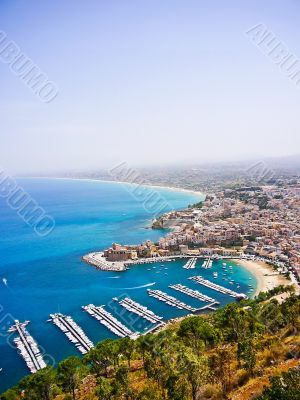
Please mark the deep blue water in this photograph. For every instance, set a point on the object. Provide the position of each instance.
(46, 275)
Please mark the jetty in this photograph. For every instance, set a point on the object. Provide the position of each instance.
(109, 321)
(191, 263)
(73, 332)
(171, 301)
(217, 288)
(207, 263)
(98, 260)
(193, 293)
(27, 346)
(140, 310)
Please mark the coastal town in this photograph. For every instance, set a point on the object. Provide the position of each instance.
(248, 222)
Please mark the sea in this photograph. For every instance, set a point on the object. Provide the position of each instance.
(40, 275)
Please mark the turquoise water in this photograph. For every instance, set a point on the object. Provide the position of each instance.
(46, 275)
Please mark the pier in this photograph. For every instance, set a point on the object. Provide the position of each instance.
(107, 319)
(73, 332)
(191, 263)
(98, 260)
(193, 293)
(171, 301)
(27, 347)
(140, 310)
(218, 288)
(207, 263)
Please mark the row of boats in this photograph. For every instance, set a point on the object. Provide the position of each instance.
(170, 300)
(217, 288)
(191, 263)
(193, 293)
(27, 347)
(73, 332)
(107, 319)
(207, 263)
(140, 310)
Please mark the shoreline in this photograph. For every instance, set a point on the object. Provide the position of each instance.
(175, 189)
(266, 277)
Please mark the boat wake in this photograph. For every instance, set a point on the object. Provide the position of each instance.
(113, 277)
(139, 287)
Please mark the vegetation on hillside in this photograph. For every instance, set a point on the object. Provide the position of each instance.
(247, 350)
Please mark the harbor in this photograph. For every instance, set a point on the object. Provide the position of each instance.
(193, 293)
(217, 288)
(171, 301)
(140, 310)
(109, 321)
(191, 263)
(73, 332)
(27, 346)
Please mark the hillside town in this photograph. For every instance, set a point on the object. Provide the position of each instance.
(262, 221)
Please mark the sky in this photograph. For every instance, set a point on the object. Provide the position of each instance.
(147, 83)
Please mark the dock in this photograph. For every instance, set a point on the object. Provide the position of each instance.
(191, 263)
(171, 301)
(109, 321)
(73, 332)
(217, 288)
(27, 346)
(140, 310)
(193, 293)
(207, 263)
(98, 260)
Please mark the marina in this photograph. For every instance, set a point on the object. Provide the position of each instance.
(218, 288)
(191, 263)
(73, 332)
(140, 310)
(193, 293)
(171, 301)
(27, 346)
(109, 321)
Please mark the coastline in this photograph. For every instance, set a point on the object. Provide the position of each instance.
(266, 277)
(176, 189)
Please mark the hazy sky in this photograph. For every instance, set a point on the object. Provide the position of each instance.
(147, 82)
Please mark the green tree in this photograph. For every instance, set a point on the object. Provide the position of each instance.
(104, 389)
(121, 382)
(69, 374)
(127, 347)
(196, 372)
(284, 387)
(235, 322)
(10, 394)
(197, 330)
(177, 387)
(39, 386)
(247, 353)
(100, 358)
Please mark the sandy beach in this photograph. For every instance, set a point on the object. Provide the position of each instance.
(266, 277)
